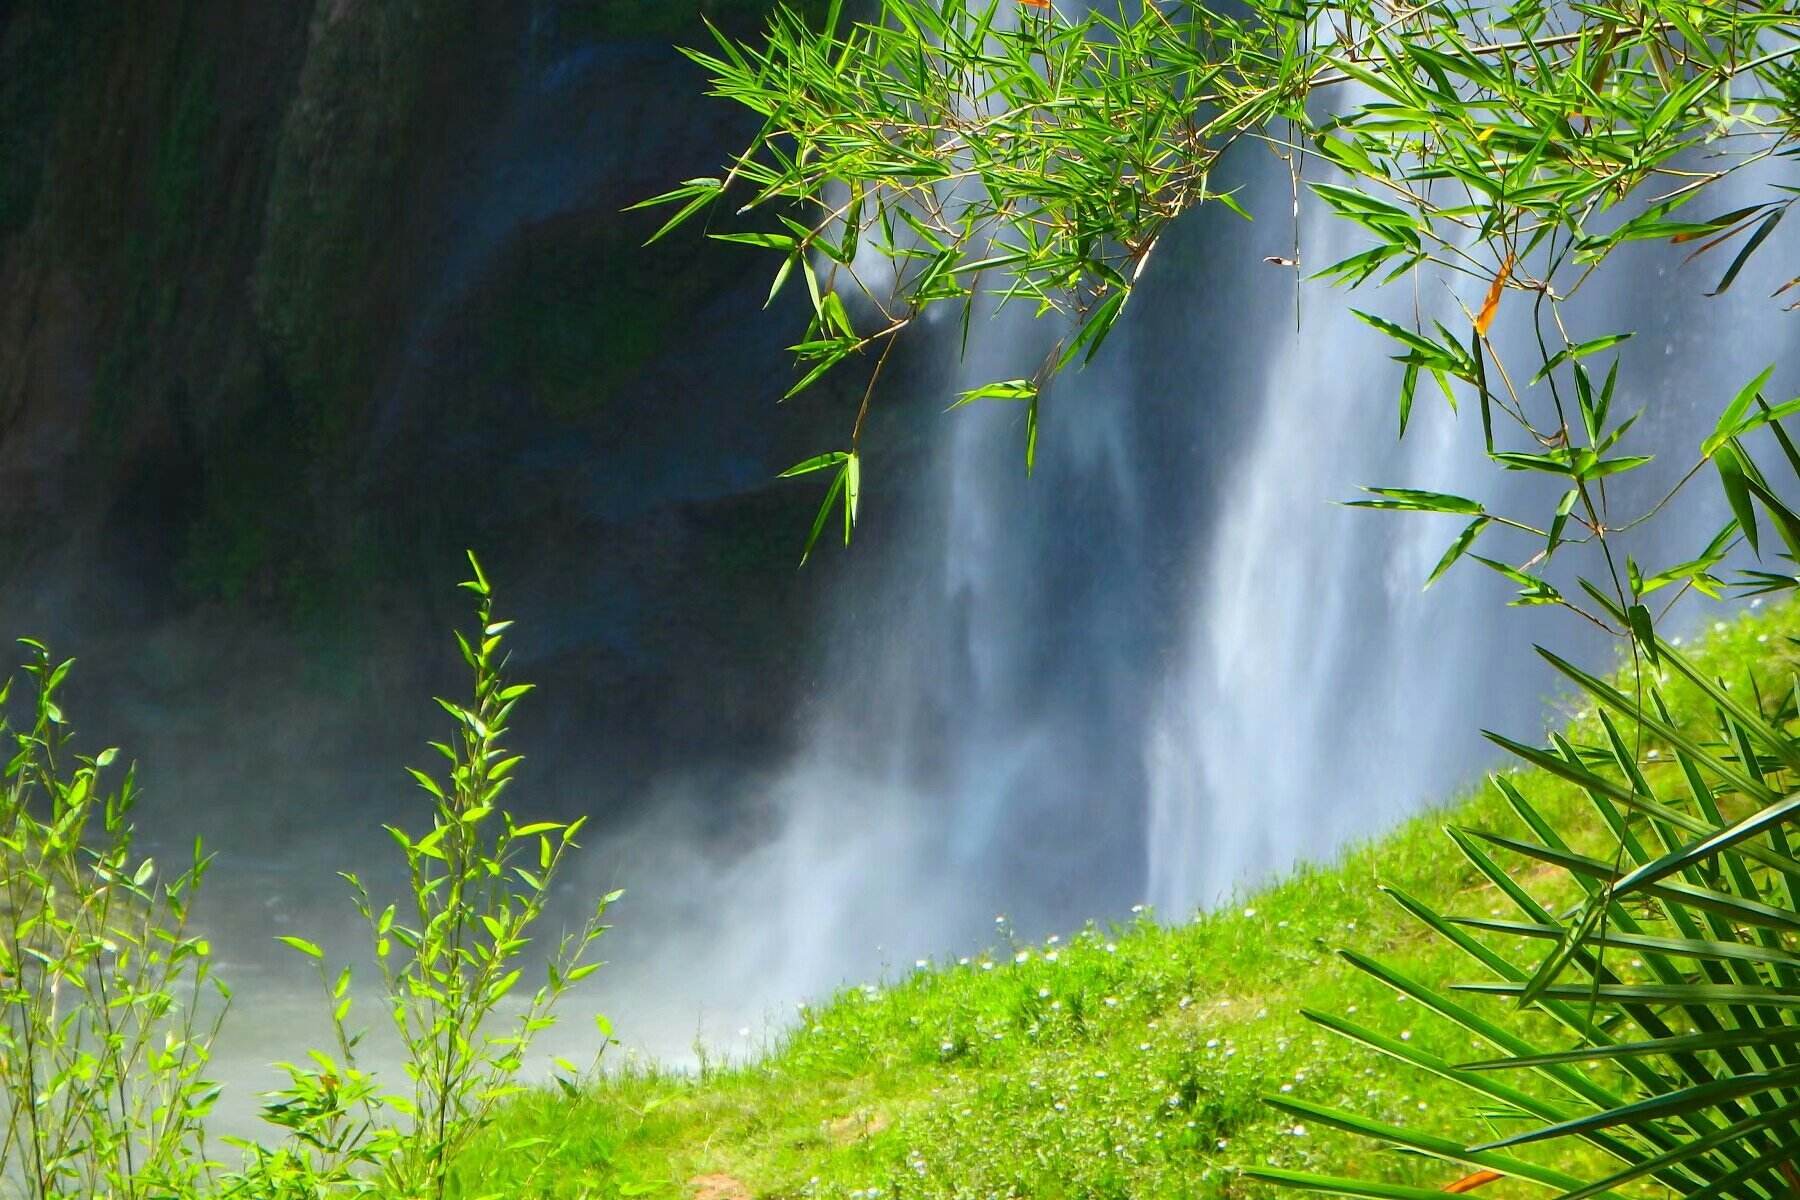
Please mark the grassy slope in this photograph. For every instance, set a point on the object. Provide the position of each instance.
(1124, 1062)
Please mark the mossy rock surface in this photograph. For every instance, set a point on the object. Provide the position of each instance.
(225, 235)
(236, 209)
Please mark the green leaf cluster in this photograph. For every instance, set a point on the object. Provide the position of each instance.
(977, 154)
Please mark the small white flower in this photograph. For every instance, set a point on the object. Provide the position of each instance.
(1052, 939)
(1718, 627)
(920, 963)
(963, 961)
(1137, 908)
(988, 966)
(1052, 956)
(1023, 956)
(1043, 993)
(1249, 912)
(1110, 1002)
(1406, 1035)
(1287, 1087)
(1212, 1043)
(1298, 1131)
(1112, 947)
(1222, 1142)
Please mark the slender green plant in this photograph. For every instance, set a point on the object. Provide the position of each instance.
(449, 965)
(108, 1003)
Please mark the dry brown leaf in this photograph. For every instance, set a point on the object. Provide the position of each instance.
(1469, 1183)
(1491, 305)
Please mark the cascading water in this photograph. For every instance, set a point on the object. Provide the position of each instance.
(1169, 666)
(966, 751)
(1318, 695)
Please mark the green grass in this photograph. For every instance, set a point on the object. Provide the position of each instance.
(1129, 1061)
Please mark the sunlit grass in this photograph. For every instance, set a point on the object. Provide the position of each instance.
(1121, 1061)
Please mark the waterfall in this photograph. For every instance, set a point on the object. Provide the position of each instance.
(1318, 695)
(1170, 666)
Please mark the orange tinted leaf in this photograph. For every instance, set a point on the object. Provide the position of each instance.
(1035, 3)
(1469, 1183)
(1491, 305)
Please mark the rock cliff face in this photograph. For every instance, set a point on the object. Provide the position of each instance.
(299, 299)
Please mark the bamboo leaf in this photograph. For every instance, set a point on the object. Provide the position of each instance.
(1676, 861)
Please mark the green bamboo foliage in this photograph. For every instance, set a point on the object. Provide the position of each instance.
(451, 959)
(108, 1004)
(946, 151)
(109, 1007)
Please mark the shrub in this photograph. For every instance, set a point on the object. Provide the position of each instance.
(105, 1026)
(479, 884)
